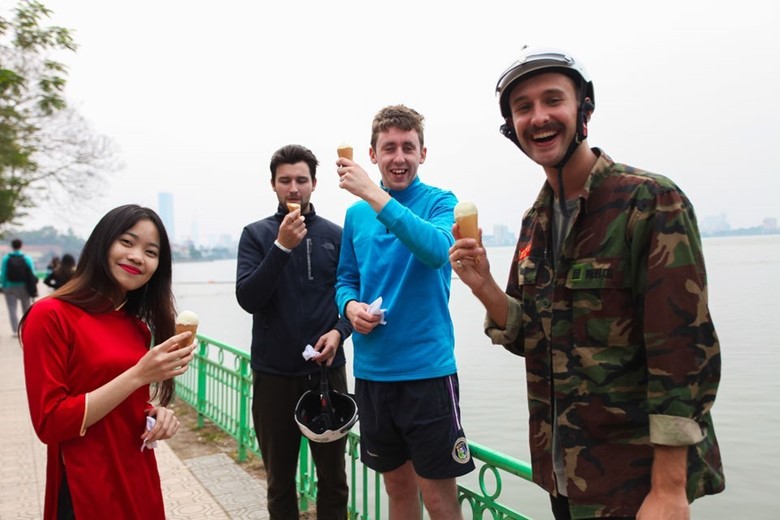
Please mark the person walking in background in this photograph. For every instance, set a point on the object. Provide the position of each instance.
(53, 264)
(607, 302)
(88, 368)
(285, 278)
(395, 247)
(15, 277)
(62, 273)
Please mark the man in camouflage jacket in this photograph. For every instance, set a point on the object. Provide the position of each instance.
(607, 302)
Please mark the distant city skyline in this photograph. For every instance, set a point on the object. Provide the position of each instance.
(494, 235)
(712, 224)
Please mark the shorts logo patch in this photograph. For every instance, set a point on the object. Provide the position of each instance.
(460, 451)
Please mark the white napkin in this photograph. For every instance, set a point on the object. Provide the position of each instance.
(374, 308)
(309, 352)
(149, 425)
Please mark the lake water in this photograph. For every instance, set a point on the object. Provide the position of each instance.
(743, 284)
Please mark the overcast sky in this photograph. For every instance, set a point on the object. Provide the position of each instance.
(197, 96)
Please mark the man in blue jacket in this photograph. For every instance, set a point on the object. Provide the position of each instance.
(395, 246)
(286, 278)
(14, 279)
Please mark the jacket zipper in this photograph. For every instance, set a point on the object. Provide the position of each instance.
(308, 259)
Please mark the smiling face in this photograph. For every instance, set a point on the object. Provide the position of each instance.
(293, 183)
(134, 256)
(398, 154)
(544, 115)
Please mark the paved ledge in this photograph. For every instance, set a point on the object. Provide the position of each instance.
(239, 494)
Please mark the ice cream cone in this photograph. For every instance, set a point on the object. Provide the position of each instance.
(187, 321)
(345, 151)
(466, 218)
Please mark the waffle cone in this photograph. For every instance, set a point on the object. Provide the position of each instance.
(345, 152)
(180, 327)
(469, 226)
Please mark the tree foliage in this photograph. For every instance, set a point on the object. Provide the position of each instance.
(49, 236)
(46, 148)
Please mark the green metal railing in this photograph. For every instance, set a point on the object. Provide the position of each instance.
(219, 387)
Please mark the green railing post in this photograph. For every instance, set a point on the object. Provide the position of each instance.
(303, 475)
(245, 384)
(351, 451)
(203, 349)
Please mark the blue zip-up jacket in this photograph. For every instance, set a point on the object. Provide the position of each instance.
(402, 255)
(291, 296)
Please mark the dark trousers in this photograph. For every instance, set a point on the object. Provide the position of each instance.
(64, 501)
(560, 509)
(274, 400)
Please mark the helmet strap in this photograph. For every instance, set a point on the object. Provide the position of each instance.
(580, 135)
(508, 131)
(325, 403)
(561, 193)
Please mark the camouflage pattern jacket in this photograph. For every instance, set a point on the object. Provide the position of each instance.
(623, 328)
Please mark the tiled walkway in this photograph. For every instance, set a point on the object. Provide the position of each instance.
(211, 487)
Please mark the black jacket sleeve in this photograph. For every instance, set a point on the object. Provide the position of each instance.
(259, 266)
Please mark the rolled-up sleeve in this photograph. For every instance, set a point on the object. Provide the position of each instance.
(508, 336)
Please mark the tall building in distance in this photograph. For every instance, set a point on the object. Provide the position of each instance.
(165, 208)
(714, 224)
(502, 236)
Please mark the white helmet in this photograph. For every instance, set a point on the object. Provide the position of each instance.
(325, 416)
(542, 59)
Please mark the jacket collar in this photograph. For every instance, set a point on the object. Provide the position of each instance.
(603, 163)
(407, 193)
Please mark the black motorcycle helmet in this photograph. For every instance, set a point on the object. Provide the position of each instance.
(327, 415)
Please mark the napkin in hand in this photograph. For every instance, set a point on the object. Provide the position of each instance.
(374, 308)
(309, 352)
(149, 425)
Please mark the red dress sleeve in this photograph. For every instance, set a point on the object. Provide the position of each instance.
(56, 414)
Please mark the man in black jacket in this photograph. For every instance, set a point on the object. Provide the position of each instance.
(286, 279)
